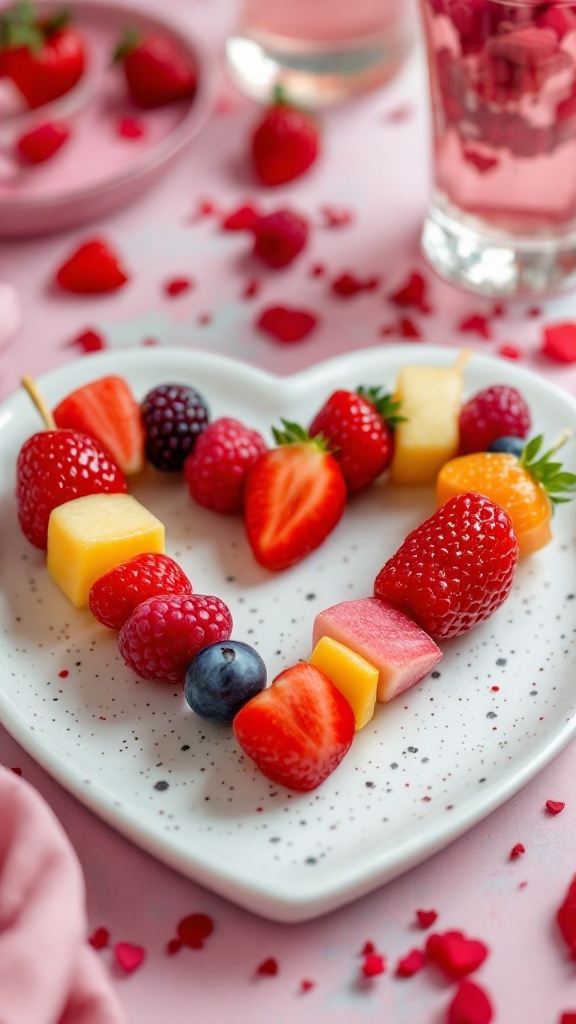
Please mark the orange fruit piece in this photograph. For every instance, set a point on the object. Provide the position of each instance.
(526, 488)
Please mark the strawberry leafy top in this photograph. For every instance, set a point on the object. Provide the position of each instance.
(293, 433)
(22, 26)
(558, 484)
(386, 405)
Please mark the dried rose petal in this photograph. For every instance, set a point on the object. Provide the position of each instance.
(373, 965)
(88, 341)
(569, 1017)
(410, 964)
(517, 851)
(100, 938)
(286, 324)
(412, 293)
(481, 161)
(336, 217)
(194, 929)
(476, 324)
(306, 984)
(509, 352)
(555, 806)
(426, 918)
(131, 128)
(177, 285)
(268, 966)
(173, 946)
(251, 289)
(560, 342)
(470, 1005)
(368, 948)
(408, 329)
(566, 917)
(128, 956)
(455, 954)
(348, 284)
(243, 218)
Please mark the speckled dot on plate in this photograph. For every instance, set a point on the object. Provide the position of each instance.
(426, 768)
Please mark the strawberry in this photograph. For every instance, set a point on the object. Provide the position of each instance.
(358, 426)
(455, 569)
(156, 69)
(107, 410)
(42, 142)
(279, 237)
(44, 56)
(494, 412)
(298, 729)
(55, 466)
(215, 473)
(294, 497)
(115, 595)
(92, 269)
(285, 143)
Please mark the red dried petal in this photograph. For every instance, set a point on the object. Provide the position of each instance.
(194, 929)
(560, 342)
(251, 289)
(455, 954)
(470, 1005)
(555, 806)
(268, 966)
(569, 1017)
(509, 352)
(88, 341)
(99, 938)
(566, 917)
(517, 851)
(336, 217)
(286, 324)
(368, 948)
(410, 964)
(131, 128)
(128, 956)
(373, 964)
(412, 293)
(306, 985)
(476, 324)
(534, 311)
(479, 160)
(408, 329)
(346, 285)
(17, 771)
(243, 218)
(174, 946)
(177, 285)
(426, 917)
(317, 270)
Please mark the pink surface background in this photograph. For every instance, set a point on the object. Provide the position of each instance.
(375, 164)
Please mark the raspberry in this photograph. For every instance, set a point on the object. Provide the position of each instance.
(279, 237)
(115, 595)
(216, 470)
(498, 411)
(174, 416)
(165, 633)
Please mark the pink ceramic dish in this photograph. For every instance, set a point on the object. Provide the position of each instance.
(99, 168)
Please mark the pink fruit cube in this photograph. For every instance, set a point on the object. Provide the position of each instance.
(401, 651)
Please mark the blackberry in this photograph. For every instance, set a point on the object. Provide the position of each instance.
(174, 415)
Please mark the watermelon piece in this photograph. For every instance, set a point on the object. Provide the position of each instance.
(401, 651)
(107, 410)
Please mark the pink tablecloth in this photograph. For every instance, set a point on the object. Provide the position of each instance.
(375, 166)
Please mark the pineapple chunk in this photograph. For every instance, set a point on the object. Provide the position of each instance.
(355, 677)
(88, 536)
(430, 398)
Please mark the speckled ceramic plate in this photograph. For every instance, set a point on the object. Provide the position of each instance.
(431, 764)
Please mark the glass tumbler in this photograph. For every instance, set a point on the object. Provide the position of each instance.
(502, 214)
(319, 51)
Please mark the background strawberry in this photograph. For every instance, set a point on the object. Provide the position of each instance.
(359, 429)
(455, 569)
(298, 729)
(156, 69)
(285, 143)
(44, 56)
(294, 497)
(55, 466)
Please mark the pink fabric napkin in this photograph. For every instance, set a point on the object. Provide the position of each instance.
(49, 974)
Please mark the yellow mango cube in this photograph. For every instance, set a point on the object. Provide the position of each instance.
(430, 397)
(88, 536)
(355, 677)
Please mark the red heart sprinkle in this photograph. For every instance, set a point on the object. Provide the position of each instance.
(410, 964)
(306, 985)
(566, 917)
(194, 929)
(412, 293)
(88, 341)
(517, 851)
(426, 917)
(555, 806)
(455, 954)
(470, 1005)
(560, 342)
(476, 324)
(268, 966)
(99, 938)
(286, 325)
(373, 965)
(128, 956)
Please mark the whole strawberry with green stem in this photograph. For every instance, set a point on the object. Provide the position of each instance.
(294, 496)
(44, 55)
(156, 68)
(285, 142)
(358, 427)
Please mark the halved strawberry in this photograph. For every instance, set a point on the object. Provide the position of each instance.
(294, 497)
(107, 410)
(298, 729)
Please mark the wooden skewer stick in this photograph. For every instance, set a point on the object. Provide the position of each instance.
(29, 384)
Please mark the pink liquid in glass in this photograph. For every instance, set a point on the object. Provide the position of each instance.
(320, 21)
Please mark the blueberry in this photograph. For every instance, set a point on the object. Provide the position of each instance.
(222, 678)
(511, 445)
